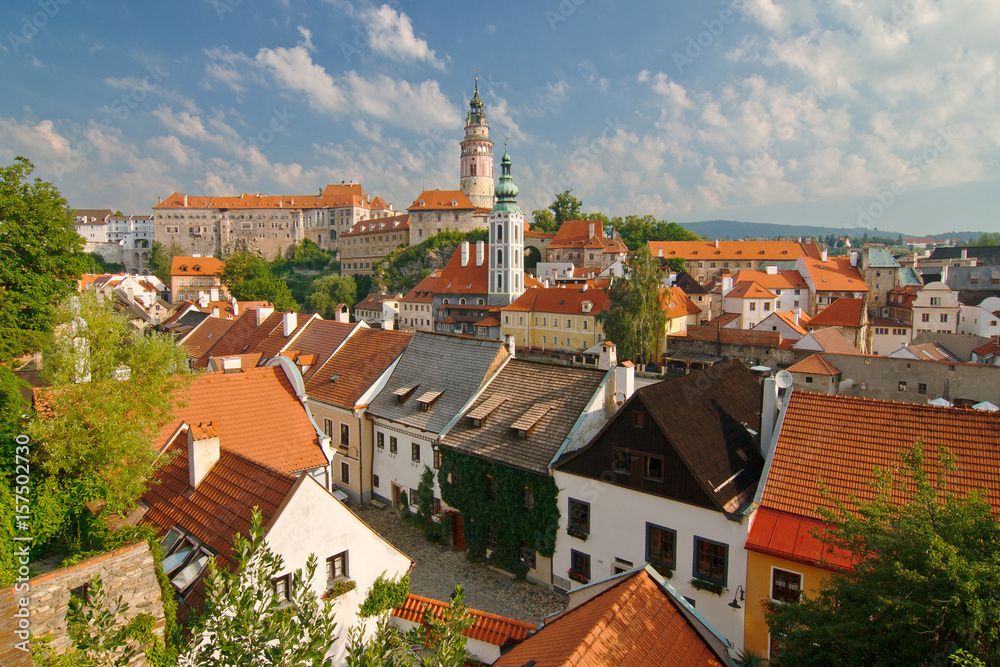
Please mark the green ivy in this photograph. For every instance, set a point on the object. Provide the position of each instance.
(425, 495)
(385, 594)
(511, 523)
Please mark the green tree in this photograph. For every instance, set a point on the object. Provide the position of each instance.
(634, 319)
(245, 624)
(111, 392)
(987, 239)
(329, 291)
(565, 207)
(927, 583)
(542, 220)
(12, 406)
(161, 257)
(41, 258)
(249, 278)
(635, 231)
(101, 636)
(97, 264)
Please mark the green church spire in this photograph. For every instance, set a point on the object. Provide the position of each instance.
(506, 191)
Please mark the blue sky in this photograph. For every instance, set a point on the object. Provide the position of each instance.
(847, 113)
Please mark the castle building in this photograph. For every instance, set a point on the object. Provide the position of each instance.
(477, 155)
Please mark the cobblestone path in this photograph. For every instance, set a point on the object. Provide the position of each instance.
(439, 568)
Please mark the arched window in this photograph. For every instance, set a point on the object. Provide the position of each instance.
(499, 282)
(499, 257)
(473, 168)
(461, 301)
(517, 281)
(514, 235)
(480, 302)
(444, 300)
(499, 232)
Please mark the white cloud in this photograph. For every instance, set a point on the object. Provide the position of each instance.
(390, 33)
(295, 70)
(172, 147)
(183, 122)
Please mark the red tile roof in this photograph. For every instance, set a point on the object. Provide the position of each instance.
(843, 312)
(814, 365)
(635, 623)
(576, 234)
(333, 196)
(219, 508)
(788, 317)
(422, 292)
(792, 537)
(839, 440)
(395, 223)
(734, 250)
(987, 349)
(434, 200)
(196, 266)
(779, 280)
(566, 300)
(749, 290)
(676, 303)
(259, 416)
(730, 336)
(835, 274)
(469, 279)
(209, 331)
(489, 628)
(356, 366)
(374, 301)
(830, 340)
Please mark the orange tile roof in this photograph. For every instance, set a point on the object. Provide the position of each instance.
(835, 275)
(988, 348)
(731, 336)
(734, 250)
(788, 317)
(576, 234)
(259, 416)
(422, 292)
(196, 266)
(332, 196)
(843, 312)
(839, 440)
(779, 280)
(441, 199)
(635, 623)
(676, 303)
(219, 508)
(749, 290)
(830, 340)
(793, 537)
(203, 337)
(356, 366)
(489, 628)
(723, 319)
(469, 279)
(814, 364)
(532, 234)
(394, 223)
(566, 300)
(246, 360)
(374, 301)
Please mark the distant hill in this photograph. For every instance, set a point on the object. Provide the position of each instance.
(735, 229)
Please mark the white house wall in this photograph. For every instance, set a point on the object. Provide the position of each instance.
(399, 468)
(314, 522)
(618, 518)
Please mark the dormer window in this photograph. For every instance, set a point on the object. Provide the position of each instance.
(454, 202)
(428, 399)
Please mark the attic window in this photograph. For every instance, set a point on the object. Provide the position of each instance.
(454, 202)
(404, 393)
(197, 267)
(479, 415)
(428, 398)
(562, 302)
(184, 267)
(527, 422)
(334, 378)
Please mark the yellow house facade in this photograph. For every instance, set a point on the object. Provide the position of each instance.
(555, 318)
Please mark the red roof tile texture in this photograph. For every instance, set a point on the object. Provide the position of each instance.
(793, 537)
(201, 339)
(814, 365)
(567, 300)
(577, 234)
(634, 623)
(258, 415)
(748, 289)
(196, 266)
(356, 365)
(841, 439)
(441, 199)
(333, 196)
(731, 336)
(843, 312)
(734, 250)
(835, 274)
(489, 628)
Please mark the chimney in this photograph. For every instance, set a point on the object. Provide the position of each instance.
(290, 321)
(185, 200)
(159, 200)
(480, 253)
(609, 356)
(584, 288)
(659, 252)
(231, 364)
(202, 300)
(965, 253)
(855, 258)
(545, 283)
(263, 312)
(771, 270)
(590, 228)
(203, 451)
(508, 340)
(343, 313)
(716, 243)
(944, 274)
(768, 415)
(236, 306)
(213, 294)
(727, 284)
(624, 382)
(823, 254)
(465, 253)
(797, 312)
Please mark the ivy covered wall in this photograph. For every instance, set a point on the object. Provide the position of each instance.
(464, 483)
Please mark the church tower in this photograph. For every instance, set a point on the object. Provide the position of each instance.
(506, 245)
(477, 155)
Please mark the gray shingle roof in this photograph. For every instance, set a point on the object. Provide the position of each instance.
(433, 362)
(907, 276)
(880, 258)
(527, 385)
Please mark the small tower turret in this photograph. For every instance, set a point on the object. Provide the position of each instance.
(506, 241)
(477, 155)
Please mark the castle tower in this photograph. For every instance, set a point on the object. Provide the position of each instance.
(477, 155)
(506, 246)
